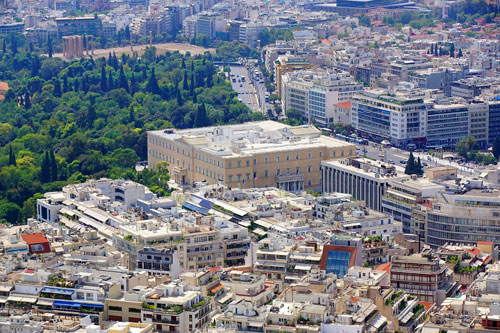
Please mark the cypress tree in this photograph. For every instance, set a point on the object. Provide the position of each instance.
(111, 83)
(179, 97)
(410, 167)
(65, 84)
(45, 171)
(53, 166)
(152, 84)
(91, 116)
(183, 65)
(496, 147)
(201, 119)
(12, 157)
(76, 85)
(460, 55)
(131, 116)
(185, 82)
(432, 48)
(192, 65)
(49, 45)
(195, 99)
(13, 44)
(123, 80)
(452, 50)
(57, 88)
(104, 83)
(210, 81)
(35, 66)
(191, 86)
(419, 167)
(4, 46)
(133, 85)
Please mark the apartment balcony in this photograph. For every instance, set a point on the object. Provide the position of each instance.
(165, 321)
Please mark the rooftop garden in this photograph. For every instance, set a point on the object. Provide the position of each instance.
(464, 269)
(57, 281)
(128, 238)
(417, 311)
(168, 308)
(452, 260)
(394, 298)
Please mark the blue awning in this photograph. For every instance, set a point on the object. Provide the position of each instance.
(86, 305)
(206, 203)
(70, 304)
(194, 208)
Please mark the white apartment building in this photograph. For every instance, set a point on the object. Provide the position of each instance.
(315, 93)
(398, 117)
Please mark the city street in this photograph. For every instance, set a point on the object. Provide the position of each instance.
(399, 157)
(245, 90)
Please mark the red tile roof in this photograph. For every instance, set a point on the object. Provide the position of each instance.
(354, 299)
(345, 105)
(4, 86)
(215, 269)
(484, 243)
(475, 251)
(427, 305)
(384, 267)
(37, 238)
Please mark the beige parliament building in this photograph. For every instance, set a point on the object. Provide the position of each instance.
(255, 154)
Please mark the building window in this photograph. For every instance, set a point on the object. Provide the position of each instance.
(309, 168)
(239, 177)
(230, 178)
(266, 173)
(248, 163)
(342, 153)
(248, 176)
(277, 159)
(239, 164)
(265, 159)
(229, 165)
(309, 182)
(278, 171)
(334, 153)
(297, 170)
(288, 157)
(297, 157)
(350, 152)
(320, 154)
(254, 161)
(309, 155)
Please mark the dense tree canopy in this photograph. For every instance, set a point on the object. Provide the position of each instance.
(65, 121)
